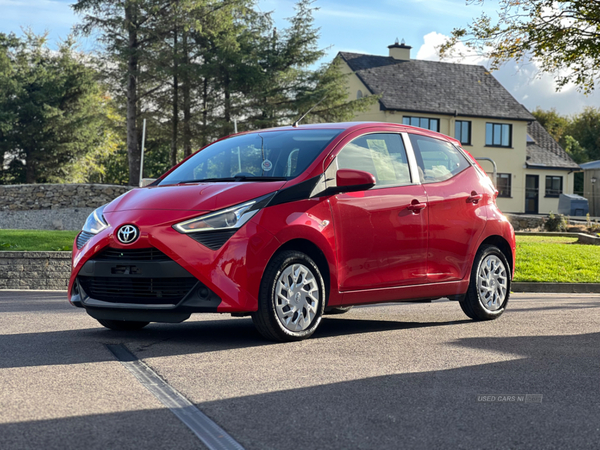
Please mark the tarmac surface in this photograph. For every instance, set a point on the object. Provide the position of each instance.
(379, 377)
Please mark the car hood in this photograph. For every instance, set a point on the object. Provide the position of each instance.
(192, 197)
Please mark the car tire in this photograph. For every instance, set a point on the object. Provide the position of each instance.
(489, 288)
(122, 325)
(337, 310)
(292, 298)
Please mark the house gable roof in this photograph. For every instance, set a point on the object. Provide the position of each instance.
(435, 87)
(545, 152)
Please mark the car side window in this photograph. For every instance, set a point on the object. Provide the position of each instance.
(437, 160)
(382, 154)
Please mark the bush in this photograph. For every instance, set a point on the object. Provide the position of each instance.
(555, 223)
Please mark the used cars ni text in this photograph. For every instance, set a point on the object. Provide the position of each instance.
(288, 224)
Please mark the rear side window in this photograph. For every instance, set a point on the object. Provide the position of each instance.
(382, 155)
(437, 160)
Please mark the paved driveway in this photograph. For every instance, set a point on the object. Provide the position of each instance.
(384, 377)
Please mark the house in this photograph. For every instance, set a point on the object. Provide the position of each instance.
(468, 103)
(591, 186)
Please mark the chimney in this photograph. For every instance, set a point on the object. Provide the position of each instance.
(400, 51)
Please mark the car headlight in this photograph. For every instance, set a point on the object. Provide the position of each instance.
(96, 222)
(226, 219)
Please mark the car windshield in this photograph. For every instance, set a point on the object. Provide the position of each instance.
(266, 156)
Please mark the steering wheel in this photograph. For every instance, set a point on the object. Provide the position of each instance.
(244, 174)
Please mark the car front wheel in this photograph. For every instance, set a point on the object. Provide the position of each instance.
(489, 287)
(292, 298)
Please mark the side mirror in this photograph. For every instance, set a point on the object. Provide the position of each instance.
(350, 180)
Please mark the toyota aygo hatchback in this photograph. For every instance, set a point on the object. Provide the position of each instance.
(288, 224)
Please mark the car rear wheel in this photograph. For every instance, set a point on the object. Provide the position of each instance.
(122, 325)
(489, 288)
(292, 298)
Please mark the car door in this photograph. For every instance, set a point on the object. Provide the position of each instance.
(381, 233)
(456, 199)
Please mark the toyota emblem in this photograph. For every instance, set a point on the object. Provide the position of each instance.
(127, 234)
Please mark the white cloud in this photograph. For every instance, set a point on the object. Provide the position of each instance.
(462, 54)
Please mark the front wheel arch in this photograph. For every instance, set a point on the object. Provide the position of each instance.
(315, 253)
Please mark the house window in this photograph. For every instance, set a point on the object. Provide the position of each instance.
(554, 186)
(503, 184)
(498, 134)
(422, 122)
(462, 131)
(359, 94)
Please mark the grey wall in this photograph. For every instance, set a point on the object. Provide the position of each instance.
(52, 206)
(35, 270)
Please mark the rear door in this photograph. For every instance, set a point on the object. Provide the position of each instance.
(381, 233)
(456, 199)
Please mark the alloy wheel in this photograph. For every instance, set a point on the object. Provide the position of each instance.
(297, 297)
(492, 282)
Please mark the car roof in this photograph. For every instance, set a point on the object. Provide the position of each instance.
(355, 126)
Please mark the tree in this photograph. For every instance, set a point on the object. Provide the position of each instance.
(585, 129)
(552, 121)
(560, 35)
(128, 31)
(51, 109)
(579, 135)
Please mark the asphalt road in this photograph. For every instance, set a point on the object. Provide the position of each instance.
(384, 377)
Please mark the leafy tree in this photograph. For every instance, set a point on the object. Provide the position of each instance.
(561, 35)
(51, 109)
(128, 29)
(579, 134)
(198, 65)
(585, 129)
(552, 121)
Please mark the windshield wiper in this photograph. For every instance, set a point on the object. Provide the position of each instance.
(230, 179)
(259, 178)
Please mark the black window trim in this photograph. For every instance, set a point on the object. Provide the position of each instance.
(470, 131)
(510, 128)
(422, 117)
(509, 185)
(546, 195)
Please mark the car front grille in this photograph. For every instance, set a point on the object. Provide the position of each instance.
(138, 254)
(138, 276)
(159, 291)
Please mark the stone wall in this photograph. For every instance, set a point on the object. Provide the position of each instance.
(525, 222)
(35, 270)
(52, 206)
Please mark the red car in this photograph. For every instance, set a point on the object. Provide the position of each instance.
(291, 223)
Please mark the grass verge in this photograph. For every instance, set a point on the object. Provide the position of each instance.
(556, 260)
(539, 258)
(36, 240)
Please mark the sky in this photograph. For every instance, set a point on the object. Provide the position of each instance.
(349, 25)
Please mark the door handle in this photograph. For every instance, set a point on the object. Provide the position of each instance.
(416, 206)
(474, 197)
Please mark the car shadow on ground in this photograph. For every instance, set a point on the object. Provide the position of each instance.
(82, 345)
(475, 405)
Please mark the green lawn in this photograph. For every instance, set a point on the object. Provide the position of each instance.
(539, 258)
(556, 259)
(36, 240)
